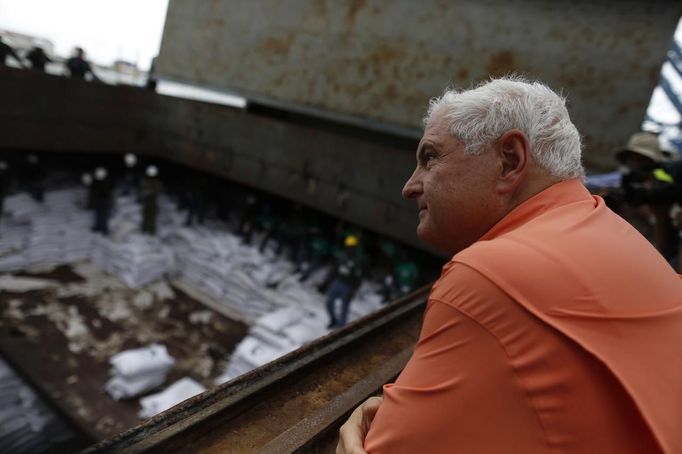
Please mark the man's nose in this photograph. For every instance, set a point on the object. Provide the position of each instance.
(413, 186)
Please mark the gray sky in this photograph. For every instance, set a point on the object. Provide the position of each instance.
(106, 29)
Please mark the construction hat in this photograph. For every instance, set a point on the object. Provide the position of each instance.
(86, 179)
(100, 173)
(130, 160)
(350, 241)
(644, 144)
(152, 171)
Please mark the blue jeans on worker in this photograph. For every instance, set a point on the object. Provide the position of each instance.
(339, 290)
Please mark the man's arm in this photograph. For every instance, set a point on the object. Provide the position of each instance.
(459, 391)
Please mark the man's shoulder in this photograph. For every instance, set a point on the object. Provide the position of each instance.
(459, 283)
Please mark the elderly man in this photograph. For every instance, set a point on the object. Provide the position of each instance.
(555, 327)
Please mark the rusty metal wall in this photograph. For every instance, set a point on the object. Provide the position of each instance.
(380, 61)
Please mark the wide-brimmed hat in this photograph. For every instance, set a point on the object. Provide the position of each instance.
(645, 144)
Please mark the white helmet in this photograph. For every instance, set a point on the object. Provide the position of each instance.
(152, 171)
(86, 179)
(130, 160)
(100, 173)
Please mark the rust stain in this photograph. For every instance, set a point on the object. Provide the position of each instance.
(353, 9)
(320, 7)
(654, 73)
(501, 63)
(278, 45)
(462, 74)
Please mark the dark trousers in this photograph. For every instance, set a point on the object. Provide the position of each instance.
(149, 209)
(102, 217)
(339, 290)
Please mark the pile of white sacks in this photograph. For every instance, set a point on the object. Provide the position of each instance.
(300, 321)
(137, 371)
(58, 232)
(134, 372)
(27, 425)
(51, 233)
(258, 288)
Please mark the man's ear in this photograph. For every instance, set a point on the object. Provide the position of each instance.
(513, 153)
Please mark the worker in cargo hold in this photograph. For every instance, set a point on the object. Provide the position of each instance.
(34, 177)
(4, 183)
(130, 180)
(196, 190)
(316, 252)
(86, 180)
(149, 197)
(345, 280)
(555, 326)
(402, 279)
(101, 191)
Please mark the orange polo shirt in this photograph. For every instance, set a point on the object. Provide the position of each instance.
(559, 331)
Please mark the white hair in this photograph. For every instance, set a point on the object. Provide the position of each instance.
(480, 116)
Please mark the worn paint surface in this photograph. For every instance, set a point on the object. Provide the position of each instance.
(382, 61)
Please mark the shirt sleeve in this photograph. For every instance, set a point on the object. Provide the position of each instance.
(458, 392)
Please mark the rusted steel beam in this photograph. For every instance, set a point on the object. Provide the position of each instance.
(292, 404)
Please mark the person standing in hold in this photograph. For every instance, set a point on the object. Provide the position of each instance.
(149, 194)
(86, 180)
(101, 198)
(345, 280)
(35, 177)
(4, 183)
(130, 179)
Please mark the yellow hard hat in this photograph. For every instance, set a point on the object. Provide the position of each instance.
(350, 241)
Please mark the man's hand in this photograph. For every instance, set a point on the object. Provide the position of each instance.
(352, 434)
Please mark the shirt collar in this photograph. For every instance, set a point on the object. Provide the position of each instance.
(557, 195)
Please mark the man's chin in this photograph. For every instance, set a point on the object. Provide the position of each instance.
(427, 236)
(424, 234)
